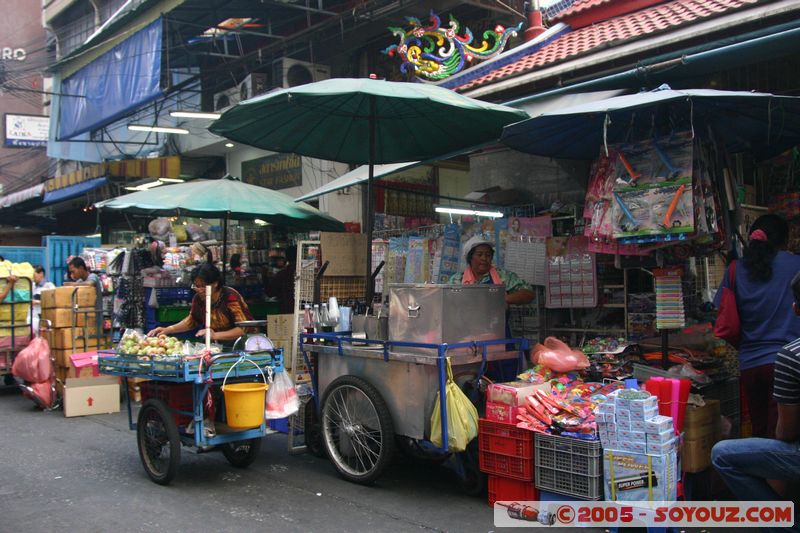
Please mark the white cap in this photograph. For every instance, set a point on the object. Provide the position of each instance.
(473, 243)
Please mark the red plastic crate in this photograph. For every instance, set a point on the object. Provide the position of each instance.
(508, 489)
(506, 465)
(505, 439)
(178, 396)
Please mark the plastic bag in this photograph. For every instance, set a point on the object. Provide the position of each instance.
(462, 417)
(557, 356)
(159, 228)
(688, 371)
(33, 363)
(282, 399)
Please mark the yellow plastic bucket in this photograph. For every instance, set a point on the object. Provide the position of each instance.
(244, 404)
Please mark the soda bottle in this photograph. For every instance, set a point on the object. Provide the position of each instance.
(308, 322)
(315, 319)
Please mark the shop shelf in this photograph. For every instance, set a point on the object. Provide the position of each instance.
(506, 465)
(508, 489)
(505, 439)
(569, 466)
(178, 396)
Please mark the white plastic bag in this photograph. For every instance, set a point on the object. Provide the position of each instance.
(282, 399)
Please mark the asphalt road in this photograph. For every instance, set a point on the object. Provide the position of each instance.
(84, 474)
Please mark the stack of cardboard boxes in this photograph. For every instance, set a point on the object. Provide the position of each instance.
(72, 332)
(701, 430)
(280, 330)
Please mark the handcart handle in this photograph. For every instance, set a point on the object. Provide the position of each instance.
(241, 358)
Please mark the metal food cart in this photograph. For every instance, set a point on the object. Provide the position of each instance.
(367, 392)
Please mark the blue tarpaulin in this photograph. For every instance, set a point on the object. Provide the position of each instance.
(124, 78)
(73, 191)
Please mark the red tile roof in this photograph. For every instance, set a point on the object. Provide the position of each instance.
(613, 32)
(579, 6)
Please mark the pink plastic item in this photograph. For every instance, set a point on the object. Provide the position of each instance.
(559, 357)
(33, 363)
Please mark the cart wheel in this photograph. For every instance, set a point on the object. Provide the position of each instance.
(241, 454)
(159, 443)
(357, 429)
(474, 481)
(312, 431)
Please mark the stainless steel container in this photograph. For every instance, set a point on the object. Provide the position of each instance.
(435, 314)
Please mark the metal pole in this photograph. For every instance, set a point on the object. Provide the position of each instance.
(224, 247)
(370, 220)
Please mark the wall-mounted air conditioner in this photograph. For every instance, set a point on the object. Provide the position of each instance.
(253, 85)
(292, 72)
(225, 99)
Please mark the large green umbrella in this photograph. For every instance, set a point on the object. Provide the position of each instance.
(226, 198)
(365, 121)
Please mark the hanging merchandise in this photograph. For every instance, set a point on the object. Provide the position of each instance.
(571, 273)
(417, 261)
(450, 253)
(669, 299)
(396, 261)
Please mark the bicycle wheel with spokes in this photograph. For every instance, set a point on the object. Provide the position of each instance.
(357, 429)
(159, 442)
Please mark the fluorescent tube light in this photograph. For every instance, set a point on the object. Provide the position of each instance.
(457, 211)
(157, 129)
(171, 180)
(145, 186)
(228, 145)
(260, 222)
(194, 114)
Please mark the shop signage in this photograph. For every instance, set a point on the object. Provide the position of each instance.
(274, 172)
(17, 54)
(26, 130)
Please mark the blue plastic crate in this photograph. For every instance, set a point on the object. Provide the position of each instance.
(279, 424)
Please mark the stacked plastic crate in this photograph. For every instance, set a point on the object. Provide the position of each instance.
(506, 451)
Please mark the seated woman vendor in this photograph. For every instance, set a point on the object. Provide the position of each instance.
(227, 308)
(478, 254)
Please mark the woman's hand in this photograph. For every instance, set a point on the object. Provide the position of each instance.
(156, 332)
(202, 333)
(11, 280)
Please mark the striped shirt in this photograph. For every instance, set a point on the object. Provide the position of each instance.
(787, 374)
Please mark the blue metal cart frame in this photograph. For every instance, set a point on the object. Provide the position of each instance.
(341, 345)
(202, 377)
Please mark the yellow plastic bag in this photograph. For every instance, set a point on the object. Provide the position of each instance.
(462, 417)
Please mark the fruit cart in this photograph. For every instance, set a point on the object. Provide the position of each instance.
(173, 412)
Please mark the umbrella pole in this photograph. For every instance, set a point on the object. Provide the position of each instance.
(370, 221)
(224, 247)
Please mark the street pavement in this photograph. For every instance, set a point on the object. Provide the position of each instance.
(84, 475)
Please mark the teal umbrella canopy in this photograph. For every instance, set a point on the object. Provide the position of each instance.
(224, 198)
(331, 120)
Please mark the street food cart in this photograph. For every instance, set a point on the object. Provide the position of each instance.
(367, 392)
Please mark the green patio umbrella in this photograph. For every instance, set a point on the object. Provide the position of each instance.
(226, 198)
(365, 121)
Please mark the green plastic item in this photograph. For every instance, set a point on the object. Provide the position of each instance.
(172, 313)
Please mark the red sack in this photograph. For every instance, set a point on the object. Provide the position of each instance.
(728, 326)
(33, 363)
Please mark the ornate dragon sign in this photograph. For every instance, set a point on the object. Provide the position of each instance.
(434, 53)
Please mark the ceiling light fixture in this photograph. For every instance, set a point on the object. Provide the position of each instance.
(145, 186)
(194, 114)
(260, 222)
(171, 180)
(457, 211)
(157, 129)
(228, 145)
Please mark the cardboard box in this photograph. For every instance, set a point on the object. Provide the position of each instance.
(61, 339)
(701, 422)
(514, 392)
(696, 453)
(91, 396)
(62, 297)
(62, 318)
(280, 326)
(637, 477)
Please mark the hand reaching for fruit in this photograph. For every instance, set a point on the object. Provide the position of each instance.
(202, 333)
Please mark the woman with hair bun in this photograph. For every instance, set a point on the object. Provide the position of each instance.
(762, 286)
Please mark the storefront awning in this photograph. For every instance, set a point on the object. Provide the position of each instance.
(21, 196)
(73, 191)
(359, 175)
